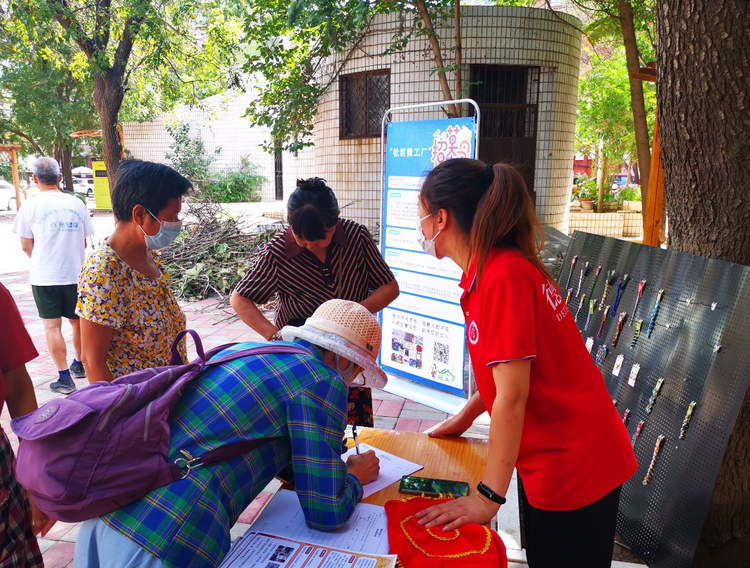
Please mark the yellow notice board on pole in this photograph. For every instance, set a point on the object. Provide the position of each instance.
(101, 186)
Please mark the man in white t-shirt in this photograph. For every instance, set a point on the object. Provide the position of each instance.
(53, 227)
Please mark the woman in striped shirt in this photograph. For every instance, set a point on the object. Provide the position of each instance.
(319, 257)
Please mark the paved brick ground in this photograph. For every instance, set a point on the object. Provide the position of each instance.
(216, 325)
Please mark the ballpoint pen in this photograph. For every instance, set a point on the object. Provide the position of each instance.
(641, 286)
(356, 440)
(593, 284)
(618, 330)
(604, 318)
(620, 288)
(580, 305)
(582, 277)
(611, 276)
(592, 303)
(572, 268)
(637, 333)
(654, 313)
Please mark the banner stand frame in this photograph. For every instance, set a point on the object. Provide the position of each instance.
(443, 401)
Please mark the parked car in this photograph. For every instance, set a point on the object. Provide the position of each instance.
(7, 196)
(84, 185)
(81, 185)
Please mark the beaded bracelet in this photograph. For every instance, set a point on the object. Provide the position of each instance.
(654, 394)
(650, 472)
(637, 333)
(654, 313)
(686, 421)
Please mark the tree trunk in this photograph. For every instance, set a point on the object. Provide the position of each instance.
(457, 30)
(67, 165)
(601, 173)
(108, 95)
(702, 94)
(637, 104)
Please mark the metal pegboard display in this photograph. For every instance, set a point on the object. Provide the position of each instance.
(698, 346)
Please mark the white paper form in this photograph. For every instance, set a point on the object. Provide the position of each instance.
(392, 468)
(255, 550)
(365, 531)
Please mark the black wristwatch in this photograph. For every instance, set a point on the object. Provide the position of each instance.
(490, 494)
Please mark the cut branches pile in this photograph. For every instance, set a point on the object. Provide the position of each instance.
(212, 253)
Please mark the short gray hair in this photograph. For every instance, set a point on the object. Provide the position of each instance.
(47, 170)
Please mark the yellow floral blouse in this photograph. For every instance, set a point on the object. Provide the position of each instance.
(142, 311)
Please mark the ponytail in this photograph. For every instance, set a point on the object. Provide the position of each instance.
(491, 205)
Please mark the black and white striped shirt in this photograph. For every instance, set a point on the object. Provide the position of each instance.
(301, 282)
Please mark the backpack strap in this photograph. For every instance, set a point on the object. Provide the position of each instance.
(203, 357)
(182, 467)
(271, 348)
(174, 353)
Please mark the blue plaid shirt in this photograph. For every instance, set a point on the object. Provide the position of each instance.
(294, 397)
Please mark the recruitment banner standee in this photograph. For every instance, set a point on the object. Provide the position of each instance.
(424, 347)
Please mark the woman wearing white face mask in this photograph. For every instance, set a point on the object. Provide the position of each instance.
(551, 415)
(129, 316)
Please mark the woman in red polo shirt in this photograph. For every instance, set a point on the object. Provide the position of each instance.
(552, 417)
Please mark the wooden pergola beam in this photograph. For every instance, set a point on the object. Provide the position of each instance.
(11, 150)
(652, 210)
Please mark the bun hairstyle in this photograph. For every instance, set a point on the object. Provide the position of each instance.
(490, 204)
(312, 208)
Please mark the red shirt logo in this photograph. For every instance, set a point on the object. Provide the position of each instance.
(473, 333)
(552, 295)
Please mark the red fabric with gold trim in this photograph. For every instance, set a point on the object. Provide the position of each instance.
(418, 547)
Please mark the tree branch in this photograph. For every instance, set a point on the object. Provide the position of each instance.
(70, 24)
(28, 138)
(125, 47)
(443, 80)
(102, 24)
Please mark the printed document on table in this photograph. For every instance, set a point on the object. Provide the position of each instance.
(256, 550)
(365, 531)
(392, 468)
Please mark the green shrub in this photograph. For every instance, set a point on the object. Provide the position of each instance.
(586, 188)
(241, 184)
(5, 172)
(188, 155)
(630, 194)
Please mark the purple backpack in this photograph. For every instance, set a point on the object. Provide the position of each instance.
(106, 445)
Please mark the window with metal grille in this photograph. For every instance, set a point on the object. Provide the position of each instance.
(364, 99)
(508, 99)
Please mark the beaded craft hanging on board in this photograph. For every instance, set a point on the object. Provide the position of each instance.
(690, 319)
(419, 547)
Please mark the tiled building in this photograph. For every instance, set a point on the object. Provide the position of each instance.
(520, 64)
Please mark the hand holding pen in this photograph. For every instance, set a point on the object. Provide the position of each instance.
(356, 440)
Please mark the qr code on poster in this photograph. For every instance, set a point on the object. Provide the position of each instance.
(442, 353)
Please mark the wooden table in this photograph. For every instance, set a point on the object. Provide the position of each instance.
(456, 459)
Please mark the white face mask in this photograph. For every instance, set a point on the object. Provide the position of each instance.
(168, 232)
(427, 245)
